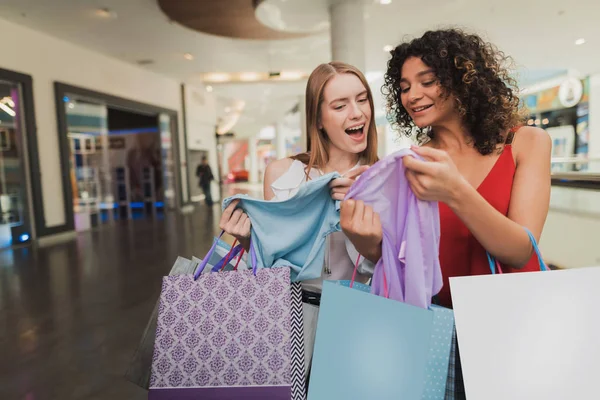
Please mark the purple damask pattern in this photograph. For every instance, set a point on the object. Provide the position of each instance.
(224, 329)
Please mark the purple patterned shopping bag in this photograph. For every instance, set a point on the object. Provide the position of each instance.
(229, 335)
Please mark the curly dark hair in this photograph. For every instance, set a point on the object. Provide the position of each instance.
(471, 70)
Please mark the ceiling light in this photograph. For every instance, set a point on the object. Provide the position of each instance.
(291, 75)
(388, 47)
(188, 56)
(545, 121)
(217, 77)
(8, 100)
(8, 110)
(580, 41)
(250, 76)
(209, 88)
(106, 13)
(385, 2)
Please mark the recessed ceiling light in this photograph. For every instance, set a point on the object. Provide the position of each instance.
(217, 77)
(250, 76)
(291, 75)
(580, 41)
(388, 47)
(188, 56)
(106, 13)
(209, 88)
(385, 2)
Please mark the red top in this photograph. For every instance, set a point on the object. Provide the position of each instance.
(460, 253)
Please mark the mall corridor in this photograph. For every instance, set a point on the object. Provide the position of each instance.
(73, 313)
(421, 175)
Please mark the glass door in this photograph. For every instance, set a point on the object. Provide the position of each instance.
(15, 225)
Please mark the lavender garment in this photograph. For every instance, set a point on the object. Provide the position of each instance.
(411, 232)
(229, 329)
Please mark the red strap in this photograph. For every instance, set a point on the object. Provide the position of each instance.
(354, 273)
(239, 259)
(228, 255)
(385, 288)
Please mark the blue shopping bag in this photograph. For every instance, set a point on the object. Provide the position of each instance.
(354, 285)
(439, 353)
(369, 347)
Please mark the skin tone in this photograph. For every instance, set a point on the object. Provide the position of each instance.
(453, 171)
(345, 107)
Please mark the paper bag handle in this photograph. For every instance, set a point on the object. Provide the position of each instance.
(494, 264)
(385, 286)
(204, 262)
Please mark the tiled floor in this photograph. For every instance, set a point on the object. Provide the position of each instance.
(72, 314)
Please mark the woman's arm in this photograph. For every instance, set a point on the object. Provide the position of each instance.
(504, 237)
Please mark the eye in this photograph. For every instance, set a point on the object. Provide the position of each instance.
(338, 107)
(404, 90)
(363, 100)
(429, 83)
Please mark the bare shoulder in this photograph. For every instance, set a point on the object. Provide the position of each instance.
(531, 143)
(277, 168)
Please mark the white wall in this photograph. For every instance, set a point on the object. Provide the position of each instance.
(48, 59)
(201, 120)
(570, 236)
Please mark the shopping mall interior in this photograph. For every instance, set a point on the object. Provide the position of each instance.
(108, 109)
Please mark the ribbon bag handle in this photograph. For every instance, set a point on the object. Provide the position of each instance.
(494, 264)
(233, 252)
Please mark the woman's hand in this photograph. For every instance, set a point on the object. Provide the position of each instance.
(363, 227)
(435, 180)
(235, 222)
(340, 186)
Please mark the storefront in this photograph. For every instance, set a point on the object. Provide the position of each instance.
(563, 111)
(118, 157)
(21, 212)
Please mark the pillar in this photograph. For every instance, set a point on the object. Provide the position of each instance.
(594, 123)
(253, 156)
(348, 32)
(280, 141)
(303, 134)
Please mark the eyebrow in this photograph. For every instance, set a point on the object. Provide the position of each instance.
(364, 92)
(424, 72)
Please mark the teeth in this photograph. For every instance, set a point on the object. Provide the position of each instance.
(420, 108)
(356, 128)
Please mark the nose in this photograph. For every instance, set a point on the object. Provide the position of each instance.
(355, 112)
(414, 94)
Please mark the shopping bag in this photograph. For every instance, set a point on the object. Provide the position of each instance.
(439, 353)
(529, 335)
(141, 362)
(369, 347)
(229, 335)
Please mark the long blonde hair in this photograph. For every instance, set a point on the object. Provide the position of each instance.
(317, 141)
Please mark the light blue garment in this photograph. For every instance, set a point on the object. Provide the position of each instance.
(389, 365)
(291, 233)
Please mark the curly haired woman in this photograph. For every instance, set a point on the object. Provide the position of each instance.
(490, 175)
